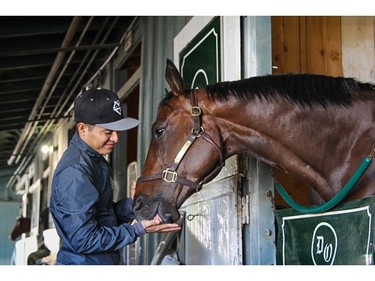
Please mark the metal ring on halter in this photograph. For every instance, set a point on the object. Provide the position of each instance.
(196, 111)
(198, 134)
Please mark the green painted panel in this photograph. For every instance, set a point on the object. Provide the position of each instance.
(200, 59)
(343, 236)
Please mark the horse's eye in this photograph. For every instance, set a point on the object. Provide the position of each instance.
(159, 132)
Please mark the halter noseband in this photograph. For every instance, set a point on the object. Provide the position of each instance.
(170, 175)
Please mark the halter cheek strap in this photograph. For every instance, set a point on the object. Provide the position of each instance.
(170, 175)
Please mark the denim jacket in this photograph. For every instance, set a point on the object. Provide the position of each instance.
(92, 228)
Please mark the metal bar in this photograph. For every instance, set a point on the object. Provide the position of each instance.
(59, 50)
(28, 129)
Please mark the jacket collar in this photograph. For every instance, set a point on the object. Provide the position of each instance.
(81, 145)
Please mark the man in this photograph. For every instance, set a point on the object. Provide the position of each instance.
(92, 228)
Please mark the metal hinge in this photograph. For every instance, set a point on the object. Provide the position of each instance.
(245, 209)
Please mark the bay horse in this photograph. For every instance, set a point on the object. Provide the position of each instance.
(313, 127)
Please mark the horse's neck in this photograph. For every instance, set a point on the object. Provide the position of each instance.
(311, 144)
(254, 124)
(248, 126)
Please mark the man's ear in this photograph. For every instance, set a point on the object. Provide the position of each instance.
(82, 128)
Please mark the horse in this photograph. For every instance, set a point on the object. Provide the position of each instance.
(314, 127)
(21, 226)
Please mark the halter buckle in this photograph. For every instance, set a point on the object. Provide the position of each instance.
(196, 111)
(169, 175)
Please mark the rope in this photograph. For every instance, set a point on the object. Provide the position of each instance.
(335, 200)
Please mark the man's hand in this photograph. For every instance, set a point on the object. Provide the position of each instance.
(132, 189)
(168, 227)
(156, 225)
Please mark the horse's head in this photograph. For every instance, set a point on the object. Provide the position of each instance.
(21, 226)
(185, 152)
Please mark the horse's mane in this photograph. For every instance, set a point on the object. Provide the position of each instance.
(304, 89)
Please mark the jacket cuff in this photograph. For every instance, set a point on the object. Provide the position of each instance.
(138, 228)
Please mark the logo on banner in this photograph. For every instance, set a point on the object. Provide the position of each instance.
(324, 244)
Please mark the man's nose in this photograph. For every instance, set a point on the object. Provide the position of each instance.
(114, 136)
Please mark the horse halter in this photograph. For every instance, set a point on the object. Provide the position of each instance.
(170, 175)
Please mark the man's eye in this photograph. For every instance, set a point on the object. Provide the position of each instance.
(158, 133)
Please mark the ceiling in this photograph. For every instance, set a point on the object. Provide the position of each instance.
(44, 62)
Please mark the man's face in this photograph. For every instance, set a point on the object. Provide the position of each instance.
(101, 140)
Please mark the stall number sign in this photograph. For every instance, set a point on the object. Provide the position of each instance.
(339, 237)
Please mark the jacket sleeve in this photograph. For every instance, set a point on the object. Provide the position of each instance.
(74, 211)
(123, 210)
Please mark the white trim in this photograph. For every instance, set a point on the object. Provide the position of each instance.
(187, 34)
(231, 48)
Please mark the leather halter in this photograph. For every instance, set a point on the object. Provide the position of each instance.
(170, 174)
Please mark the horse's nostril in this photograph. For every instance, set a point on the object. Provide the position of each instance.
(168, 218)
(138, 204)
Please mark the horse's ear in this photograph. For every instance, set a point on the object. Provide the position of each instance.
(174, 78)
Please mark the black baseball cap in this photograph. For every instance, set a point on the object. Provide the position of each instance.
(102, 107)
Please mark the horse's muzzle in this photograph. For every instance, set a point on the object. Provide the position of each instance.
(145, 210)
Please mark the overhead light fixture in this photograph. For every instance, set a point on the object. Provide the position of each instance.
(47, 148)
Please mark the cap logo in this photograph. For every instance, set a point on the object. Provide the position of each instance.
(117, 107)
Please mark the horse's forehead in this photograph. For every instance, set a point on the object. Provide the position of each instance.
(173, 106)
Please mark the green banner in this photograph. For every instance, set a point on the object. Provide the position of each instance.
(343, 236)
